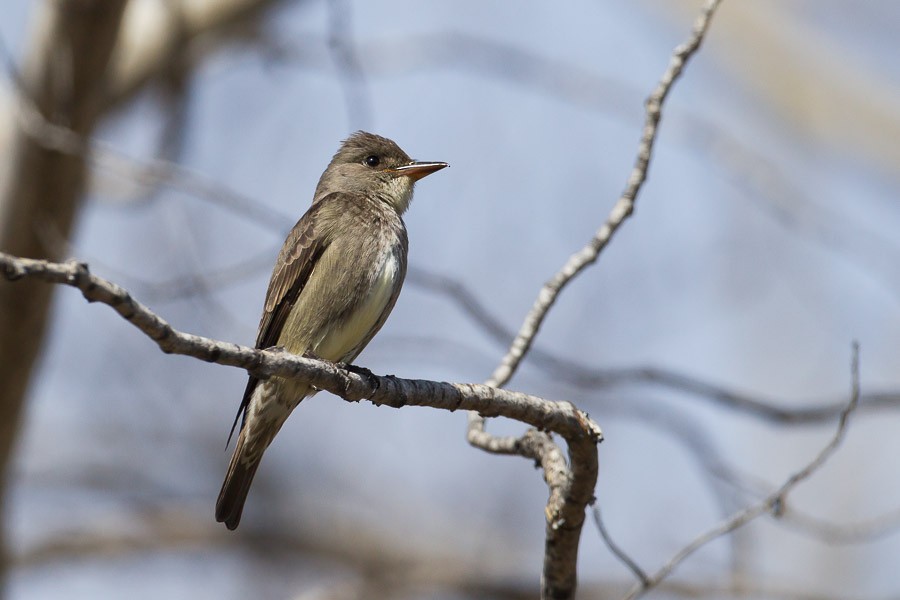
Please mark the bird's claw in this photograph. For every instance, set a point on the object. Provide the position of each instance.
(373, 380)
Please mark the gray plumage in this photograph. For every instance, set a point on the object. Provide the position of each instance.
(335, 281)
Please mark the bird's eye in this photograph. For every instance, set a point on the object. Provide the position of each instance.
(373, 161)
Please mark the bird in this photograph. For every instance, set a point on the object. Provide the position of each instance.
(335, 281)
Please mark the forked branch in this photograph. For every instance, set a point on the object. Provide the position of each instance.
(571, 487)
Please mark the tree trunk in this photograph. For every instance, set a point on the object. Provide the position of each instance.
(63, 79)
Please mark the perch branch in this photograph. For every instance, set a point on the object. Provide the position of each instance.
(571, 486)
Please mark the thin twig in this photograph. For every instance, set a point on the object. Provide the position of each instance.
(774, 503)
(843, 533)
(556, 583)
(617, 551)
(146, 172)
(621, 211)
(584, 376)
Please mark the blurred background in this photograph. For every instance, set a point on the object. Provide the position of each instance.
(711, 341)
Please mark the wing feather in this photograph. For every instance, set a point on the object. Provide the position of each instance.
(299, 254)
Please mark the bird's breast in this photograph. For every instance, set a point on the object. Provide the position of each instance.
(345, 335)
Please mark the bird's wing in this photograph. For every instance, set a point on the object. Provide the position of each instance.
(302, 248)
(299, 254)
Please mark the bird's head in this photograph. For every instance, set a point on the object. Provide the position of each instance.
(376, 166)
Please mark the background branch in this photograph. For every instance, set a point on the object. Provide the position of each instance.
(774, 503)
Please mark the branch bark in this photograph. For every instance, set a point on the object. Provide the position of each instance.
(561, 584)
(571, 486)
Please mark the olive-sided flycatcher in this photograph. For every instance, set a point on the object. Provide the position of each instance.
(335, 281)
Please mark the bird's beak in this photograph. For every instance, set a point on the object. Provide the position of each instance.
(418, 170)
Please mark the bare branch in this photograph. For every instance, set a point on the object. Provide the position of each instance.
(746, 589)
(623, 208)
(780, 194)
(621, 211)
(152, 173)
(617, 551)
(584, 376)
(843, 533)
(560, 417)
(571, 488)
(773, 503)
(776, 411)
(562, 583)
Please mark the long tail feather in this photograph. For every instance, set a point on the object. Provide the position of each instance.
(240, 474)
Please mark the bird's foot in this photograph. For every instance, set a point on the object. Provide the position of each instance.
(362, 372)
(277, 350)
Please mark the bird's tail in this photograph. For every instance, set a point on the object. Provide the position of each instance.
(240, 474)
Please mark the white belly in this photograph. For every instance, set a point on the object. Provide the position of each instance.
(344, 337)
